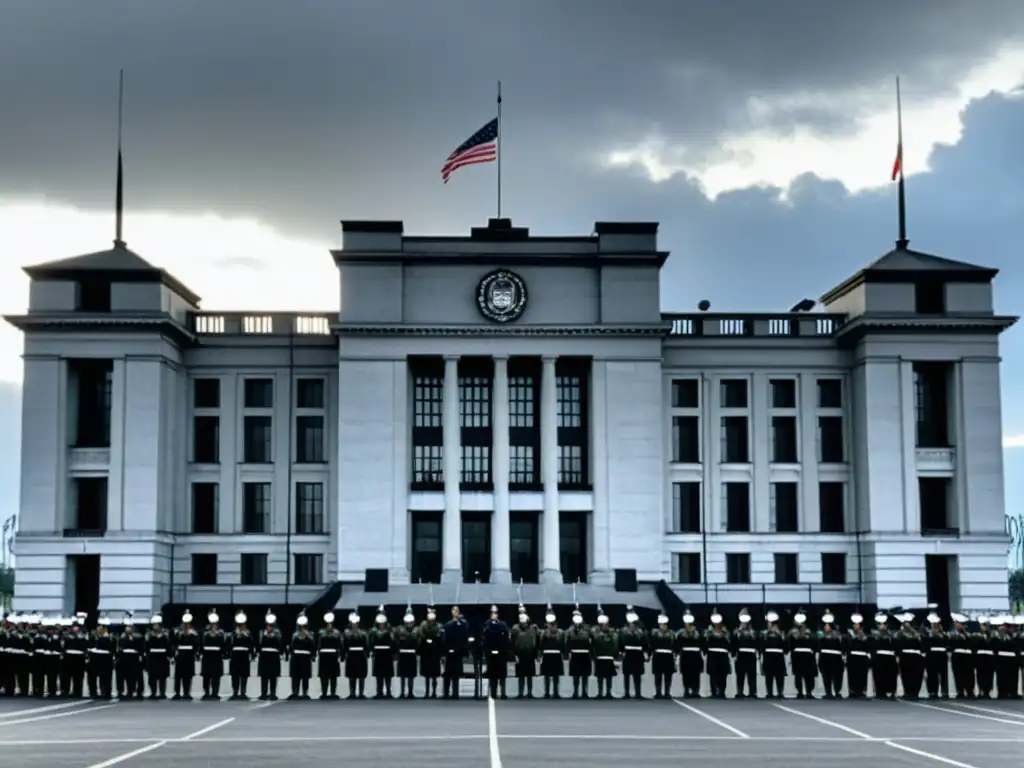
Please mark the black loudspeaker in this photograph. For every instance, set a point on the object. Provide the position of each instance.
(625, 580)
(376, 580)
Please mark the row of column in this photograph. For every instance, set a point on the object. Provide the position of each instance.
(501, 572)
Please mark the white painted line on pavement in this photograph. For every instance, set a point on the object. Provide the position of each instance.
(128, 755)
(929, 755)
(207, 729)
(492, 733)
(53, 715)
(39, 710)
(955, 713)
(823, 721)
(711, 719)
(991, 710)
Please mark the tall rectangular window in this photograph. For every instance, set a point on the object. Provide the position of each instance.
(204, 569)
(94, 380)
(686, 507)
(735, 440)
(832, 507)
(736, 507)
(787, 568)
(257, 439)
(686, 440)
(309, 508)
(257, 503)
(475, 423)
(309, 440)
(830, 440)
(205, 507)
(427, 427)
(931, 404)
(785, 508)
(206, 439)
(573, 433)
(524, 424)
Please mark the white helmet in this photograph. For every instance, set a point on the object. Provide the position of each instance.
(549, 618)
(302, 621)
(688, 618)
(602, 619)
(799, 618)
(933, 618)
(381, 618)
(271, 618)
(662, 619)
(523, 618)
(158, 619)
(716, 618)
(213, 618)
(856, 618)
(771, 617)
(353, 618)
(632, 618)
(431, 615)
(959, 618)
(577, 618)
(828, 618)
(241, 618)
(329, 617)
(745, 618)
(186, 618)
(409, 618)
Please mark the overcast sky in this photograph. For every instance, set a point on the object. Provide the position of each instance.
(760, 134)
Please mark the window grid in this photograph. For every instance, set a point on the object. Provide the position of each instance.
(475, 423)
(686, 507)
(257, 503)
(259, 393)
(522, 465)
(254, 569)
(476, 465)
(258, 439)
(309, 569)
(524, 432)
(686, 568)
(309, 447)
(427, 432)
(309, 508)
(686, 440)
(310, 393)
(571, 421)
(784, 510)
(475, 402)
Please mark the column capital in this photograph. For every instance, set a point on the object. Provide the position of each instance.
(549, 359)
(453, 358)
(502, 358)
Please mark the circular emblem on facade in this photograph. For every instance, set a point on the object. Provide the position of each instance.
(501, 296)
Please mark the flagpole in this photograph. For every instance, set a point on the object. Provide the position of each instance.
(901, 192)
(499, 149)
(119, 200)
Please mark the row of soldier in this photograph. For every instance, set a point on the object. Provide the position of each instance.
(53, 657)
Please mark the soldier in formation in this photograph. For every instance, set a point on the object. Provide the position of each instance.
(525, 640)
(271, 649)
(497, 644)
(329, 648)
(242, 651)
(302, 652)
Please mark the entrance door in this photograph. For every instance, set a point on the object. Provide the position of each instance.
(936, 576)
(524, 556)
(476, 547)
(85, 570)
(573, 527)
(426, 548)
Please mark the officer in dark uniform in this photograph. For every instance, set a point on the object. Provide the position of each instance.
(910, 653)
(407, 642)
(33, 625)
(884, 669)
(457, 637)
(831, 648)
(187, 647)
(243, 651)
(214, 648)
(158, 659)
(431, 646)
(961, 657)
(525, 640)
(496, 643)
(745, 648)
(271, 648)
(101, 659)
(552, 655)
(633, 642)
(579, 643)
(719, 649)
(302, 651)
(606, 650)
(329, 648)
(357, 649)
(690, 646)
(48, 652)
(802, 647)
(984, 658)
(858, 657)
(130, 650)
(661, 645)
(382, 640)
(1005, 646)
(76, 647)
(937, 650)
(773, 657)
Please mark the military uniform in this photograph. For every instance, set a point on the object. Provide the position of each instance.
(302, 652)
(690, 645)
(187, 648)
(76, 647)
(243, 651)
(407, 641)
(357, 648)
(1005, 646)
(431, 648)
(552, 653)
(496, 642)
(101, 660)
(329, 649)
(883, 658)
(745, 648)
(268, 666)
(984, 658)
(525, 640)
(158, 661)
(457, 639)
(131, 648)
(633, 642)
(962, 657)
(579, 645)
(211, 666)
(606, 650)
(773, 658)
(382, 640)
(910, 653)
(662, 646)
(831, 648)
(719, 650)
(802, 648)
(936, 647)
(858, 658)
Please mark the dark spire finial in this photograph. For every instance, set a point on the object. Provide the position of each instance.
(897, 174)
(119, 198)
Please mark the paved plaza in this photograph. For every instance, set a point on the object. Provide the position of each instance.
(511, 733)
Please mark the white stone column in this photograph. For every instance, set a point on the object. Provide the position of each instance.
(452, 463)
(501, 532)
(551, 562)
(601, 569)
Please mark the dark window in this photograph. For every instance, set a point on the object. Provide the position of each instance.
(832, 507)
(737, 568)
(426, 547)
(934, 500)
(785, 508)
(309, 570)
(205, 505)
(931, 404)
(686, 439)
(309, 435)
(830, 393)
(573, 431)
(204, 569)
(930, 297)
(206, 393)
(90, 506)
(687, 568)
(733, 393)
(735, 444)
(254, 569)
(833, 567)
(427, 428)
(523, 540)
(309, 393)
(476, 547)
(784, 440)
(258, 440)
(206, 439)
(524, 434)
(830, 440)
(787, 568)
(737, 507)
(686, 508)
(783, 393)
(475, 423)
(259, 393)
(94, 382)
(573, 547)
(685, 393)
(257, 503)
(93, 295)
(309, 508)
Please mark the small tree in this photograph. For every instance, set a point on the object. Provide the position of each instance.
(1017, 587)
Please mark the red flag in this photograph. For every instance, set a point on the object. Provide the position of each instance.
(897, 166)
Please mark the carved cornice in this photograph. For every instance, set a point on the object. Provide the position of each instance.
(77, 322)
(652, 330)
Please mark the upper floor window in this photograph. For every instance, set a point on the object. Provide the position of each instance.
(685, 393)
(309, 393)
(733, 393)
(206, 393)
(259, 393)
(830, 393)
(93, 295)
(929, 297)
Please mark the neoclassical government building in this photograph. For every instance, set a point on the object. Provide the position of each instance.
(501, 412)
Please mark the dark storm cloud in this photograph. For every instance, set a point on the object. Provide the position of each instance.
(300, 112)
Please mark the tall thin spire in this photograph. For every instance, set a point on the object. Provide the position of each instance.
(897, 172)
(499, 149)
(119, 200)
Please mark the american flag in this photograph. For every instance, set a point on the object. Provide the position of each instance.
(481, 147)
